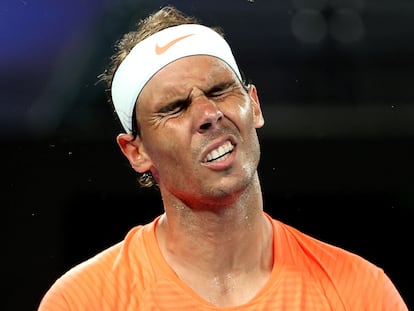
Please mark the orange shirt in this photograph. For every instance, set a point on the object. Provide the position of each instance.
(307, 275)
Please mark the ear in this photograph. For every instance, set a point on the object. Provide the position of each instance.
(135, 152)
(258, 116)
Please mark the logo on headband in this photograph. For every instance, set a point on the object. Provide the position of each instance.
(162, 49)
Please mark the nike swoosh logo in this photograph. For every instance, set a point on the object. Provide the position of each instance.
(162, 49)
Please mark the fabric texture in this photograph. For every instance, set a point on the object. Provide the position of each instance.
(307, 274)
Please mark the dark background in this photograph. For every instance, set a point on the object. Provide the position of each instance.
(335, 80)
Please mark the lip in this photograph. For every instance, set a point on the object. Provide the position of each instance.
(219, 165)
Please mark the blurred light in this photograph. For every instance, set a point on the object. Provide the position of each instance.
(346, 26)
(309, 26)
(39, 37)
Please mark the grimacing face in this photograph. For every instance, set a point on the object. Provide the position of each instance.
(198, 129)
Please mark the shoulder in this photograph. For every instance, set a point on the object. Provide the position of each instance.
(327, 255)
(98, 280)
(338, 272)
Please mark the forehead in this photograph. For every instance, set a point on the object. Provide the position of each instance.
(191, 71)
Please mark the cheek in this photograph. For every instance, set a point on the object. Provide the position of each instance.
(243, 114)
(165, 148)
(246, 112)
(239, 108)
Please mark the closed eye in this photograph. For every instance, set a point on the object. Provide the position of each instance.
(174, 107)
(217, 92)
(220, 90)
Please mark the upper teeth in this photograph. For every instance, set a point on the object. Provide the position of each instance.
(220, 151)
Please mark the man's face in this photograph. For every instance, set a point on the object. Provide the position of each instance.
(198, 126)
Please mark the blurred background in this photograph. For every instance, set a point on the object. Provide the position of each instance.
(335, 79)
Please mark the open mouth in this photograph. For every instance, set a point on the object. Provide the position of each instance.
(220, 153)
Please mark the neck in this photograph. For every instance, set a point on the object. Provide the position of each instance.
(236, 239)
(219, 249)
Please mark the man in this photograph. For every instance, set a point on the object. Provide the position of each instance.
(190, 128)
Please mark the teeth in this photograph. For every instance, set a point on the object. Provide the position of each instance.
(219, 152)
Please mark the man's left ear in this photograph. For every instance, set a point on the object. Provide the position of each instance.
(258, 116)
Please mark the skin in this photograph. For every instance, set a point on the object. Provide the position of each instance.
(213, 233)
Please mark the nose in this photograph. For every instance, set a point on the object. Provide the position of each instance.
(207, 114)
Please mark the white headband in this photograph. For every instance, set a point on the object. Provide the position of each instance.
(157, 51)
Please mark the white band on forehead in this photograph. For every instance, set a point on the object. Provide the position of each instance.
(157, 51)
